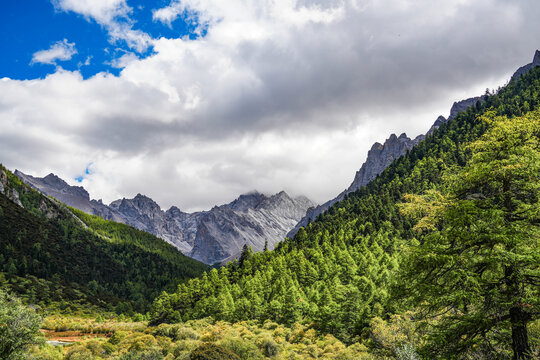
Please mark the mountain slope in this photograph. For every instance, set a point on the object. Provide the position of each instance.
(211, 236)
(378, 159)
(40, 237)
(337, 272)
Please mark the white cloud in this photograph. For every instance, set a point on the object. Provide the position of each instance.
(277, 95)
(124, 60)
(59, 51)
(113, 15)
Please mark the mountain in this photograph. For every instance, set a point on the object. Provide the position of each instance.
(72, 256)
(526, 68)
(339, 272)
(378, 159)
(211, 236)
(253, 219)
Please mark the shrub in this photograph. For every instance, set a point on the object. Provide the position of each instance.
(244, 349)
(269, 348)
(79, 353)
(209, 351)
(176, 332)
(19, 327)
(406, 352)
(142, 355)
(45, 352)
(117, 337)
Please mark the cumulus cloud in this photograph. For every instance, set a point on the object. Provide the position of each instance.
(277, 95)
(59, 51)
(113, 15)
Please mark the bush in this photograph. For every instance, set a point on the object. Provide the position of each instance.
(117, 337)
(212, 352)
(19, 327)
(45, 352)
(244, 349)
(142, 355)
(406, 352)
(269, 348)
(80, 353)
(176, 332)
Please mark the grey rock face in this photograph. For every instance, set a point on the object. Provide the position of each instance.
(217, 235)
(13, 195)
(75, 196)
(524, 69)
(379, 157)
(3, 181)
(251, 219)
(462, 105)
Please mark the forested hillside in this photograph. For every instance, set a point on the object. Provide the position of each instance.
(49, 255)
(339, 272)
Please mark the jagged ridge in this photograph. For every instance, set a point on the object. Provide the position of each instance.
(210, 236)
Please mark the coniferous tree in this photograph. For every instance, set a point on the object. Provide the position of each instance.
(479, 261)
(245, 255)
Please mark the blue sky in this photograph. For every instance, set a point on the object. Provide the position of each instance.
(29, 26)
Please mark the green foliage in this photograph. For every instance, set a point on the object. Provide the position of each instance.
(142, 355)
(479, 261)
(269, 348)
(108, 263)
(209, 351)
(19, 328)
(337, 273)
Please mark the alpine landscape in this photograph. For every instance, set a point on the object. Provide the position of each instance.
(207, 180)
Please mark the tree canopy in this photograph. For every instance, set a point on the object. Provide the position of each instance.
(478, 262)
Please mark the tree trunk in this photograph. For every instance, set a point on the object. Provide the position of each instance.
(520, 339)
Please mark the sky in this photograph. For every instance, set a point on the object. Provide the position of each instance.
(194, 102)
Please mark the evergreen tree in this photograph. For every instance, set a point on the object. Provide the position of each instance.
(246, 254)
(478, 262)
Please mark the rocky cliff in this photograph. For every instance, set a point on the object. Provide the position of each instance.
(379, 157)
(382, 155)
(210, 236)
(522, 70)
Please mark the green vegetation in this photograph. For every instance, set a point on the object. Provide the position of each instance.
(437, 258)
(479, 262)
(339, 273)
(44, 244)
(200, 339)
(19, 328)
(124, 234)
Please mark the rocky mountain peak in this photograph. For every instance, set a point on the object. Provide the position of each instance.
(524, 69)
(377, 146)
(211, 236)
(462, 105)
(440, 120)
(145, 201)
(380, 156)
(174, 211)
(52, 185)
(54, 180)
(536, 59)
(282, 195)
(247, 201)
